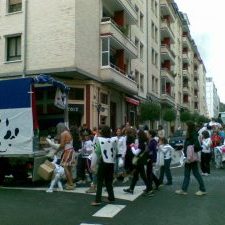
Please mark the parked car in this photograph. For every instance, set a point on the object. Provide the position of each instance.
(177, 139)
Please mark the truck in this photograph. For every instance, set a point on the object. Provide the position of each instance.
(30, 108)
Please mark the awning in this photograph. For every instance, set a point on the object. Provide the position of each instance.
(132, 101)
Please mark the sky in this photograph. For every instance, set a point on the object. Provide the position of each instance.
(207, 22)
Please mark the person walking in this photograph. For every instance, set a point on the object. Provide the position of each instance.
(103, 158)
(191, 139)
(152, 157)
(166, 150)
(139, 167)
(206, 153)
(65, 143)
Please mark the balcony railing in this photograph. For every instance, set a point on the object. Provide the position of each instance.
(113, 75)
(119, 34)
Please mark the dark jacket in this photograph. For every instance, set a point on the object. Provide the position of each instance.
(152, 150)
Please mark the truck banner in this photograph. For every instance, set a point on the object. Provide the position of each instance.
(16, 122)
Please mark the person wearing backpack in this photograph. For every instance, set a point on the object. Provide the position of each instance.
(191, 140)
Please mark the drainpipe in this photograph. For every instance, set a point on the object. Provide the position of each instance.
(147, 8)
(25, 40)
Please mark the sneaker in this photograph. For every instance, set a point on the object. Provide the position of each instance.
(125, 180)
(203, 174)
(60, 189)
(181, 192)
(128, 190)
(200, 193)
(206, 174)
(96, 203)
(92, 189)
(69, 187)
(148, 193)
(49, 190)
(81, 182)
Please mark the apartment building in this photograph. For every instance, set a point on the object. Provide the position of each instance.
(212, 98)
(87, 44)
(113, 54)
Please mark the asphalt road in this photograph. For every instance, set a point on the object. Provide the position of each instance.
(33, 206)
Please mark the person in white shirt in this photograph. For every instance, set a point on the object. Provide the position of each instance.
(206, 153)
(86, 152)
(122, 147)
(166, 150)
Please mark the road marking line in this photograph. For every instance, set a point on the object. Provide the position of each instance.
(109, 210)
(118, 191)
(90, 224)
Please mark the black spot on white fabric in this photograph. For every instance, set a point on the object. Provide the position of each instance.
(105, 153)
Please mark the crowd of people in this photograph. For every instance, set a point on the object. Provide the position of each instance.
(102, 157)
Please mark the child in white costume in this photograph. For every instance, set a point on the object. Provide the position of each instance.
(166, 150)
(58, 174)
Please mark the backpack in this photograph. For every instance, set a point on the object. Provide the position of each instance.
(192, 156)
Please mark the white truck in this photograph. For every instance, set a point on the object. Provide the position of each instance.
(30, 108)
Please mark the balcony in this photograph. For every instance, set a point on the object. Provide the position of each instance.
(166, 31)
(196, 85)
(168, 75)
(167, 10)
(116, 78)
(186, 104)
(186, 89)
(167, 54)
(186, 73)
(186, 42)
(118, 39)
(196, 61)
(186, 58)
(168, 98)
(196, 77)
(130, 14)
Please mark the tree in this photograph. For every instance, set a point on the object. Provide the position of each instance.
(169, 115)
(185, 116)
(149, 111)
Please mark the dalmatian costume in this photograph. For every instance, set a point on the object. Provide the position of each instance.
(104, 158)
(58, 174)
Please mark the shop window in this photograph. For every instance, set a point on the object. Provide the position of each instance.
(103, 120)
(76, 94)
(14, 6)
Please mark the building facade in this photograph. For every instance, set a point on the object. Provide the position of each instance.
(212, 98)
(113, 54)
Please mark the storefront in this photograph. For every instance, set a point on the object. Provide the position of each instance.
(131, 110)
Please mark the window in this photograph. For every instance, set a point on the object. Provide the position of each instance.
(156, 34)
(136, 42)
(137, 78)
(141, 21)
(141, 51)
(76, 94)
(104, 98)
(105, 51)
(153, 30)
(14, 6)
(142, 82)
(13, 48)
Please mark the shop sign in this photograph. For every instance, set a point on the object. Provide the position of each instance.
(78, 108)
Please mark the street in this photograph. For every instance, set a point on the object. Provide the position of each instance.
(31, 205)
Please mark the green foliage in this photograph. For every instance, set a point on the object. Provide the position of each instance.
(185, 116)
(149, 111)
(169, 115)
